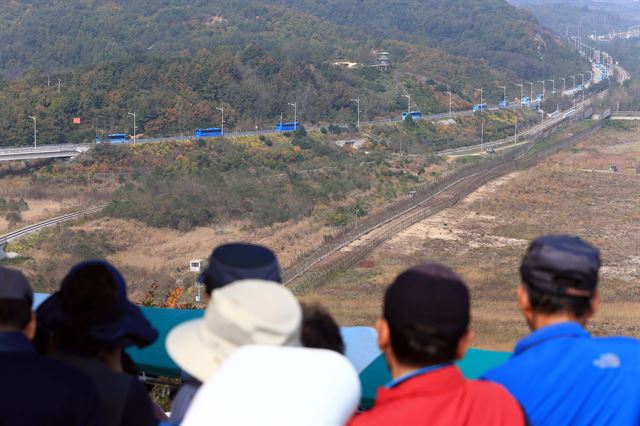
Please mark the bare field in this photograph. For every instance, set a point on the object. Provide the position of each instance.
(485, 235)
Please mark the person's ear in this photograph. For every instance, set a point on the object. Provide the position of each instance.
(524, 303)
(30, 330)
(464, 343)
(384, 335)
(595, 302)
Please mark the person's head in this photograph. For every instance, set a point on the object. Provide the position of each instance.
(319, 329)
(16, 299)
(559, 280)
(239, 261)
(425, 318)
(91, 313)
(243, 313)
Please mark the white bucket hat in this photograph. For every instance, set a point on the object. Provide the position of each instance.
(243, 313)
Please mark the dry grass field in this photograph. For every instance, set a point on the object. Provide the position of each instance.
(485, 235)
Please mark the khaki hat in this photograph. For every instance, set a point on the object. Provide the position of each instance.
(243, 313)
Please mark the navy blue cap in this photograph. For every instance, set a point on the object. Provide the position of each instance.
(429, 294)
(14, 286)
(122, 325)
(562, 265)
(239, 261)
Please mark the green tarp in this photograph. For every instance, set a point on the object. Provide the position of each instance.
(154, 360)
(473, 365)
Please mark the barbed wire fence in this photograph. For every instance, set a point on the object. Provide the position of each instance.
(312, 267)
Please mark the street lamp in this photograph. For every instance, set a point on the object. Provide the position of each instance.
(35, 131)
(520, 86)
(574, 81)
(530, 83)
(295, 115)
(133, 114)
(553, 88)
(504, 93)
(357, 101)
(449, 103)
(480, 89)
(563, 83)
(221, 109)
(409, 104)
(590, 75)
(542, 81)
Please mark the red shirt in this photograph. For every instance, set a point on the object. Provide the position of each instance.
(442, 397)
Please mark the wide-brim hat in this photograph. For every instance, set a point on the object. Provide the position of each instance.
(245, 312)
(121, 326)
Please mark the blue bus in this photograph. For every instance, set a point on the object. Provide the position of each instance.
(115, 138)
(415, 115)
(479, 107)
(525, 101)
(208, 133)
(287, 127)
(503, 104)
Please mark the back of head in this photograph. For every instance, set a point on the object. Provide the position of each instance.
(427, 310)
(16, 299)
(261, 385)
(560, 273)
(239, 261)
(243, 313)
(90, 313)
(319, 329)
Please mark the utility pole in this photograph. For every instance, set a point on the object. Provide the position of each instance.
(59, 81)
(481, 137)
(295, 115)
(221, 109)
(357, 101)
(133, 114)
(516, 132)
(35, 131)
(449, 103)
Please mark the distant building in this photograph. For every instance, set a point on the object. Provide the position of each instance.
(383, 61)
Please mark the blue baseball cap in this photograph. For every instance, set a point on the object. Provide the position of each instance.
(563, 265)
(239, 261)
(14, 286)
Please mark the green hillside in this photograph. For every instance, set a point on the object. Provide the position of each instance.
(173, 62)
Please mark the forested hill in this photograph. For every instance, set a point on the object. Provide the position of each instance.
(174, 61)
(492, 30)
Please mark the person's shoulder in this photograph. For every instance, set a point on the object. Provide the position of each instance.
(622, 342)
(488, 390)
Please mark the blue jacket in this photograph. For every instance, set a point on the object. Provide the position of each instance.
(563, 376)
(37, 390)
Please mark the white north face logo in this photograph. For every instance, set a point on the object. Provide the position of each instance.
(608, 360)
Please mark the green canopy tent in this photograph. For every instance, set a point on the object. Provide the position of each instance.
(473, 365)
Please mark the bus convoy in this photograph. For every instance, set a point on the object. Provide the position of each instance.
(210, 132)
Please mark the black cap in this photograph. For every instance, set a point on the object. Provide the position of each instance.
(14, 286)
(563, 265)
(239, 261)
(431, 295)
